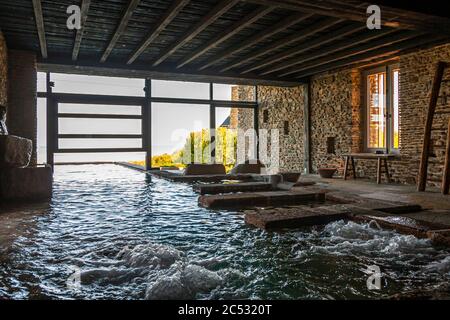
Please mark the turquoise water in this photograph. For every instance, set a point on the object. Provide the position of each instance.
(115, 233)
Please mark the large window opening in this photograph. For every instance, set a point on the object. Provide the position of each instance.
(152, 123)
(382, 109)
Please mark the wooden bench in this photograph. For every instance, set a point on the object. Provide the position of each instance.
(382, 162)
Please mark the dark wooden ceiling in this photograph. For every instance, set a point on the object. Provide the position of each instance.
(280, 42)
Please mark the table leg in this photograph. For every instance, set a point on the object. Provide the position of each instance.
(386, 168)
(379, 171)
(353, 168)
(346, 168)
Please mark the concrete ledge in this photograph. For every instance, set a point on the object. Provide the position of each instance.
(439, 237)
(26, 184)
(404, 225)
(177, 177)
(261, 199)
(204, 169)
(373, 204)
(295, 217)
(231, 187)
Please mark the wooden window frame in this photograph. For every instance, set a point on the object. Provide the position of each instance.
(388, 116)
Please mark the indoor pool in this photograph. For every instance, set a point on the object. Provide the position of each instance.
(114, 233)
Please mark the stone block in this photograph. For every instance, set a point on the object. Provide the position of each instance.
(288, 218)
(260, 199)
(15, 152)
(204, 169)
(245, 168)
(26, 184)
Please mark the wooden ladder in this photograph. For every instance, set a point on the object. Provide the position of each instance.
(423, 169)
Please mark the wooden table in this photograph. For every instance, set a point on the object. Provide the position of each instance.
(382, 161)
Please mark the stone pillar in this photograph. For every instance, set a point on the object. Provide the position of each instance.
(22, 97)
(3, 71)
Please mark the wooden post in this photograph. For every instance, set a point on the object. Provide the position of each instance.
(446, 176)
(386, 169)
(346, 167)
(353, 167)
(378, 170)
(422, 179)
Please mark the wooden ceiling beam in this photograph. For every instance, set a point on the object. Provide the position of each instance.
(132, 5)
(305, 46)
(391, 50)
(391, 17)
(158, 27)
(79, 36)
(309, 31)
(227, 34)
(142, 70)
(328, 50)
(342, 54)
(222, 7)
(254, 39)
(39, 18)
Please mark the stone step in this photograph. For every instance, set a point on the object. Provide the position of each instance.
(178, 177)
(374, 204)
(260, 199)
(295, 217)
(401, 224)
(219, 188)
(439, 237)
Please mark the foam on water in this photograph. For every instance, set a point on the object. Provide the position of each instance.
(347, 237)
(168, 274)
(441, 266)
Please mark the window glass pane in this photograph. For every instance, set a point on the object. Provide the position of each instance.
(99, 126)
(226, 137)
(376, 110)
(99, 143)
(42, 130)
(230, 92)
(41, 82)
(235, 136)
(82, 84)
(180, 134)
(179, 89)
(135, 157)
(99, 109)
(395, 113)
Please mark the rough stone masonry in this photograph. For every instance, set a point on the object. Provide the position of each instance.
(338, 112)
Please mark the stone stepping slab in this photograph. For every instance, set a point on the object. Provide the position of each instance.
(259, 199)
(439, 237)
(405, 225)
(231, 187)
(374, 204)
(177, 177)
(292, 218)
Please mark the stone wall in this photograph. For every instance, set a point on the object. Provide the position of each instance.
(281, 105)
(337, 111)
(3, 71)
(335, 117)
(416, 76)
(22, 96)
